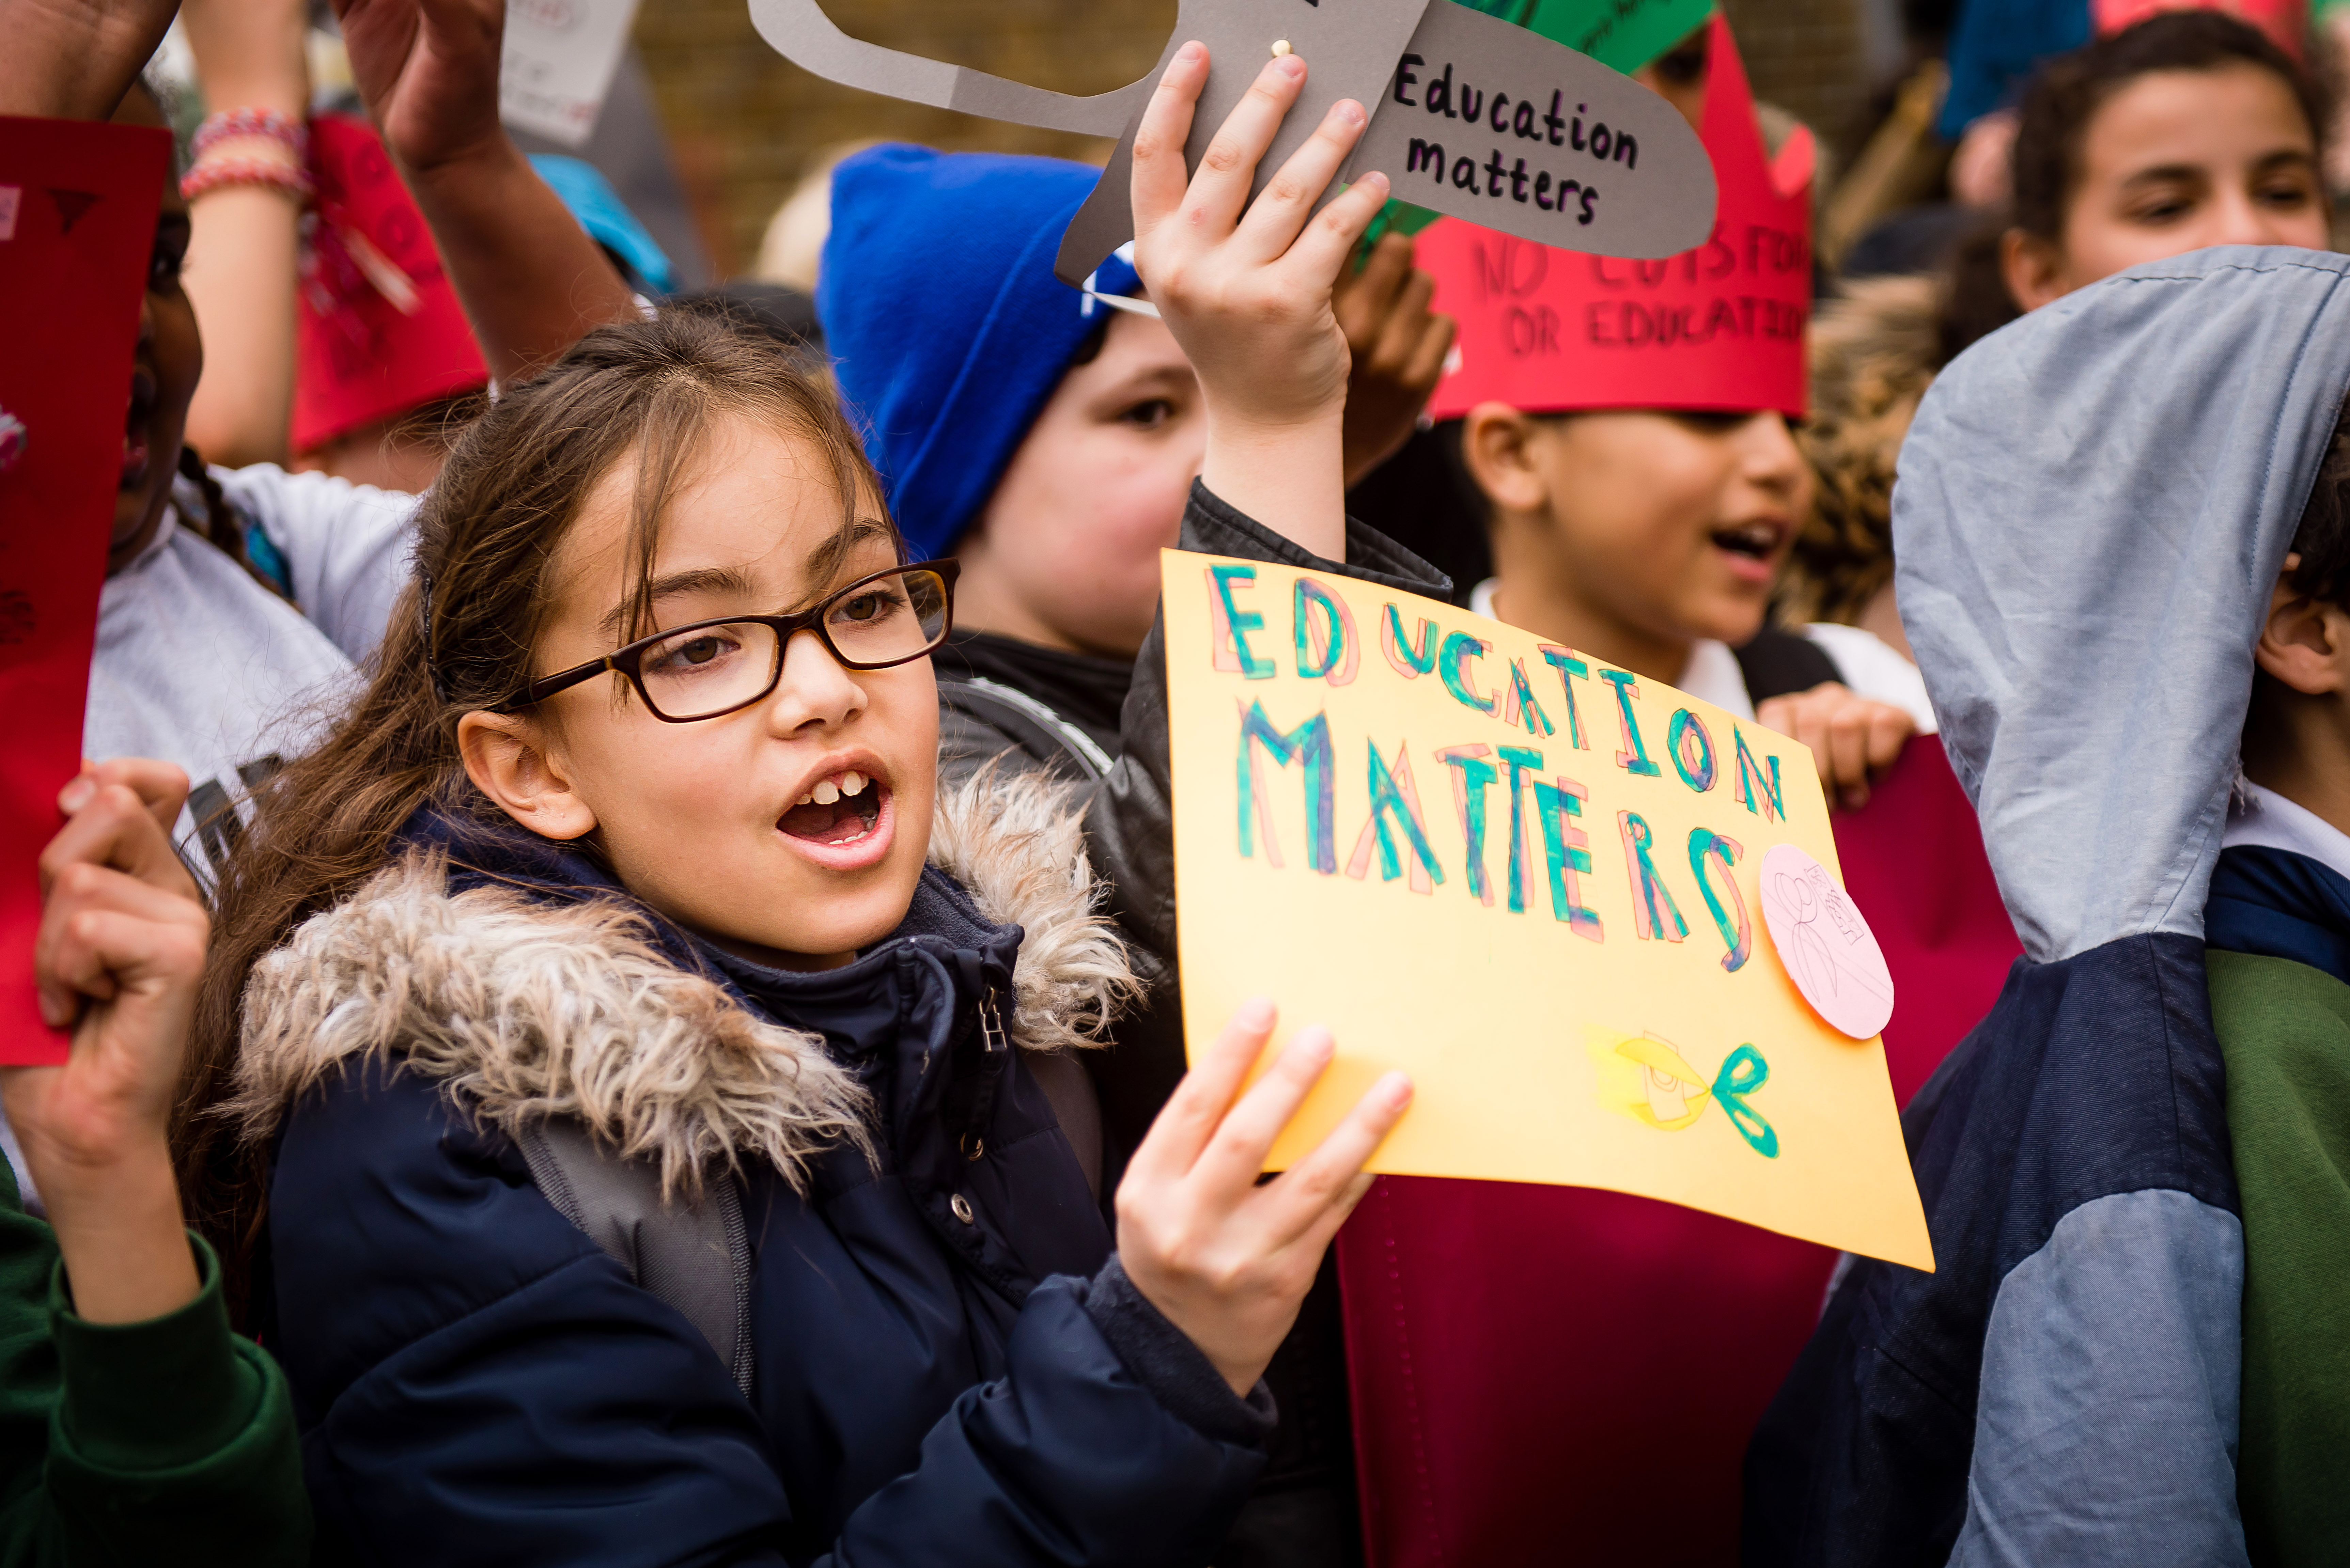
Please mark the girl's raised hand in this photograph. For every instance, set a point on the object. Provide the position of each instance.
(1245, 286)
(428, 70)
(1225, 1258)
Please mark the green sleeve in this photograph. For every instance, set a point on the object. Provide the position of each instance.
(28, 1378)
(2284, 1031)
(170, 1440)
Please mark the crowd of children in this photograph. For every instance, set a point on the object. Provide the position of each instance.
(619, 944)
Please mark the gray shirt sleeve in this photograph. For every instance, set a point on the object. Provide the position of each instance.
(2105, 1427)
(348, 548)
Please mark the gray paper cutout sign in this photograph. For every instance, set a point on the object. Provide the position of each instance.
(1654, 197)
(1349, 46)
(1650, 193)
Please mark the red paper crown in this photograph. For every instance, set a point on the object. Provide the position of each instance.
(1716, 327)
(379, 329)
(2282, 20)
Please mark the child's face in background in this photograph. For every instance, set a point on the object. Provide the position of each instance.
(169, 359)
(693, 816)
(2174, 161)
(1066, 552)
(1668, 525)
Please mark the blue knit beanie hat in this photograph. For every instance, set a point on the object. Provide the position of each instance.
(947, 328)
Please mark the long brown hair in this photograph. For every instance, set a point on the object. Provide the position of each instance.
(460, 639)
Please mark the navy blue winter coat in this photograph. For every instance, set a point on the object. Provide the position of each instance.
(949, 1367)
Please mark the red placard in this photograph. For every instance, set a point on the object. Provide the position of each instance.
(379, 329)
(77, 207)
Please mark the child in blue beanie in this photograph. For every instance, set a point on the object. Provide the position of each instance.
(1048, 438)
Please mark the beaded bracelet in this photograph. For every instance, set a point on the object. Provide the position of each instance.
(231, 123)
(214, 173)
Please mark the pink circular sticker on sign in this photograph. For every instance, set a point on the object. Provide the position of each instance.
(1828, 948)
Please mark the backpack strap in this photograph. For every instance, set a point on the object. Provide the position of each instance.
(1775, 663)
(1041, 733)
(695, 1257)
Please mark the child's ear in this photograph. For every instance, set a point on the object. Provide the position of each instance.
(2305, 641)
(2032, 268)
(1497, 443)
(508, 760)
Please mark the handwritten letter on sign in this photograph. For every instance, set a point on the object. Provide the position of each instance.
(1528, 879)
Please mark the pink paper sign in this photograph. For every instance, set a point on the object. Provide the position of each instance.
(1827, 947)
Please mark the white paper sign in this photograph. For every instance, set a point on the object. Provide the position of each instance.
(558, 63)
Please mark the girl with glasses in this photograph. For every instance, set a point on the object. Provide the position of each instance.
(617, 1074)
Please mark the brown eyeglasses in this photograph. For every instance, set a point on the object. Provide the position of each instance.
(714, 667)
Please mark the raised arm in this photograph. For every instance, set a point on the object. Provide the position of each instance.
(1246, 289)
(244, 240)
(1242, 294)
(530, 280)
(74, 59)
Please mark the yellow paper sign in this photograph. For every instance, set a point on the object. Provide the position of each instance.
(1528, 879)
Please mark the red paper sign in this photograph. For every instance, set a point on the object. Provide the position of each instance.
(1718, 328)
(379, 329)
(77, 206)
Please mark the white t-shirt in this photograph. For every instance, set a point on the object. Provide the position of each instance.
(1874, 667)
(198, 664)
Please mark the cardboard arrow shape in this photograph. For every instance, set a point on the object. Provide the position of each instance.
(800, 32)
(1650, 193)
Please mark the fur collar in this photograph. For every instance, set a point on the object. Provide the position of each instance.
(525, 1009)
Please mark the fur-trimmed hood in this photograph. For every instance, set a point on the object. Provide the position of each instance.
(526, 1007)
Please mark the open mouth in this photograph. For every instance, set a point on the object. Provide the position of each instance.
(1755, 541)
(135, 453)
(840, 809)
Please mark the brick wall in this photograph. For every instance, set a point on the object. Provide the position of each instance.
(743, 121)
(1805, 55)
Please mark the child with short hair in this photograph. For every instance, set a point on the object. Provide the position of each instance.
(1625, 434)
(1625, 422)
(2130, 1349)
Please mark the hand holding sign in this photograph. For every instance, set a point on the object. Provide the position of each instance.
(1245, 284)
(1508, 139)
(1228, 1260)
